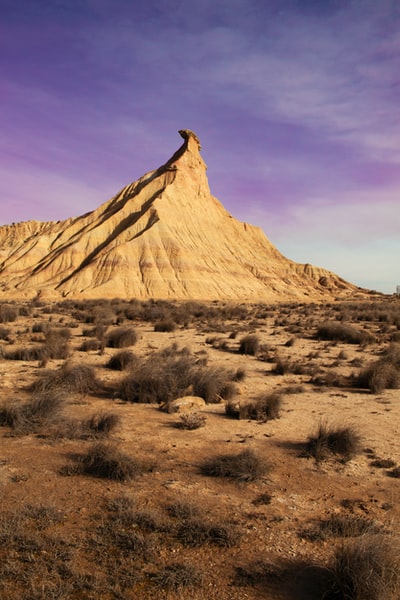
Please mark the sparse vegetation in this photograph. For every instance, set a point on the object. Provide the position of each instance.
(126, 527)
(192, 421)
(245, 466)
(177, 577)
(122, 337)
(122, 360)
(368, 567)
(249, 344)
(71, 378)
(339, 440)
(107, 461)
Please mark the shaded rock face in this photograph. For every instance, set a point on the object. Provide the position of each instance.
(163, 236)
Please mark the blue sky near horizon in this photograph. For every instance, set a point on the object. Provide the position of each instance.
(296, 104)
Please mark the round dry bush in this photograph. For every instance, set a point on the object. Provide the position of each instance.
(122, 337)
(122, 360)
(367, 569)
(8, 313)
(341, 440)
(157, 380)
(378, 377)
(80, 379)
(91, 345)
(213, 384)
(108, 462)
(166, 325)
(245, 466)
(102, 423)
(249, 344)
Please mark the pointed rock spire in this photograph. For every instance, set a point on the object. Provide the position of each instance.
(163, 236)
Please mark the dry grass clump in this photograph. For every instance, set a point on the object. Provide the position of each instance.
(122, 337)
(56, 344)
(249, 344)
(383, 463)
(264, 408)
(332, 330)
(342, 526)
(79, 379)
(245, 466)
(156, 380)
(122, 360)
(44, 409)
(91, 345)
(105, 460)
(212, 383)
(8, 313)
(379, 376)
(199, 531)
(5, 333)
(382, 374)
(344, 441)
(98, 426)
(166, 325)
(172, 373)
(192, 421)
(102, 423)
(367, 569)
(177, 577)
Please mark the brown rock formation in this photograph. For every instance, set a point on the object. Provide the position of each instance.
(163, 236)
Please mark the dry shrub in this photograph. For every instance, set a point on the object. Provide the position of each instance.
(341, 440)
(166, 325)
(56, 344)
(332, 330)
(378, 377)
(122, 337)
(182, 510)
(172, 373)
(79, 379)
(383, 463)
(107, 461)
(122, 360)
(266, 407)
(245, 466)
(8, 313)
(198, 531)
(177, 577)
(4, 333)
(156, 381)
(102, 423)
(44, 409)
(25, 354)
(367, 569)
(91, 345)
(395, 472)
(342, 526)
(192, 421)
(249, 344)
(212, 383)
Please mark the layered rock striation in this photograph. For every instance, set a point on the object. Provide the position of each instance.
(163, 236)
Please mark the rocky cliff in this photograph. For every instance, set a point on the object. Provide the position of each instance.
(163, 236)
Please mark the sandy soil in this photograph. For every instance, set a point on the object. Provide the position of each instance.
(276, 556)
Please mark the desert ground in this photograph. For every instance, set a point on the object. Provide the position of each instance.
(290, 463)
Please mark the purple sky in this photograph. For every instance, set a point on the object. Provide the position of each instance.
(296, 103)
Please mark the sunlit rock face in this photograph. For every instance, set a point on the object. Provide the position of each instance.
(163, 236)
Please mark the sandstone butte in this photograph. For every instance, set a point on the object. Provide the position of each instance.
(163, 237)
